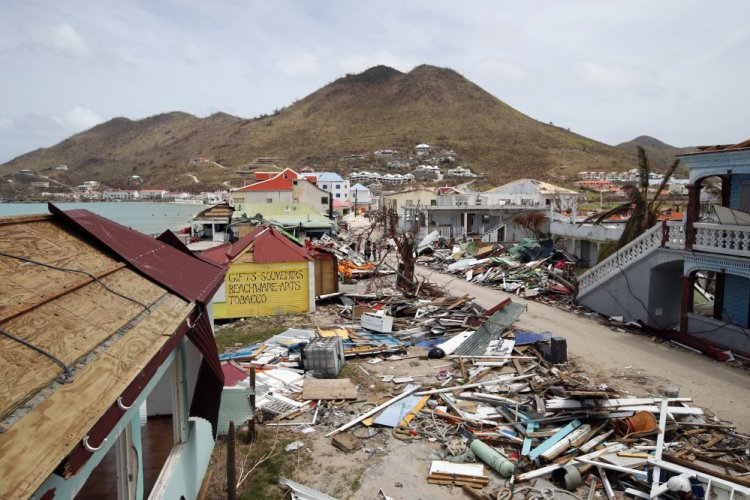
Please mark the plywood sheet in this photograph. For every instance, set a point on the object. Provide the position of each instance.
(69, 327)
(329, 389)
(66, 415)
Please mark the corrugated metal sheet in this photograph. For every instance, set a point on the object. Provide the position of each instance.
(268, 246)
(271, 246)
(192, 279)
(491, 329)
(265, 290)
(235, 406)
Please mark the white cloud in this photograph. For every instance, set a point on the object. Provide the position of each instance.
(78, 118)
(195, 52)
(617, 76)
(302, 65)
(61, 37)
(6, 124)
(502, 68)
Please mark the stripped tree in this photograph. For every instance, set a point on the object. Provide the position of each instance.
(643, 210)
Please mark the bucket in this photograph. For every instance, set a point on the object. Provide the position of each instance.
(641, 422)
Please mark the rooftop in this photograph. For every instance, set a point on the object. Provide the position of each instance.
(103, 302)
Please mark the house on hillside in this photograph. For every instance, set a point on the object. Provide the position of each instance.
(490, 214)
(285, 187)
(692, 274)
(267, 275)
(422, 149)
(111, 381)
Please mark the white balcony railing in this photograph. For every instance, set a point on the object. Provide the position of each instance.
(722, 238)
(615, 263)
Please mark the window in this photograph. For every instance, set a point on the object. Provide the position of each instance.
(409, 203)
(433, 203)
(338, 195)
(338, 186)
(269, 200)
(324, 200)
(325, 186)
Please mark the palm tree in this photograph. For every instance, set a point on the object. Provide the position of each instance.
(643, 211)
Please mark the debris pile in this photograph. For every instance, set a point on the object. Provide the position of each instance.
(531, 269)
(501, 413)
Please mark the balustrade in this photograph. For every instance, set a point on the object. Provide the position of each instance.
(722, 238)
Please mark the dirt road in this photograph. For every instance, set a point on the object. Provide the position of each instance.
(624, 360)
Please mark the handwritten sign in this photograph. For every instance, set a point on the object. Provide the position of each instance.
(265, 289)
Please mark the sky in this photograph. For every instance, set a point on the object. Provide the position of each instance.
(609, 70)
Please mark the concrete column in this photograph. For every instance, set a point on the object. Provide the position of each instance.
(686, 304)
(726, 190)
(719, 296)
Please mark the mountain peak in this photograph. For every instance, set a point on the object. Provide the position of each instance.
(375, 74)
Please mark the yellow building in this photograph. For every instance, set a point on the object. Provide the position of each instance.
(267, 275)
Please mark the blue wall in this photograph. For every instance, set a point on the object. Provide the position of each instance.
(734, 198)
(736, 300)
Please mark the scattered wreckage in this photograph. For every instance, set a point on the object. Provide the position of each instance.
(513, 416)
(531, 268)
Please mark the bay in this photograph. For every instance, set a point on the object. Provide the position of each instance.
(146, 217)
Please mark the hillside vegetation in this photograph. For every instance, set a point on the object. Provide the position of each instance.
(379, 108)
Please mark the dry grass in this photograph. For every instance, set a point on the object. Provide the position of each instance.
(358, 113)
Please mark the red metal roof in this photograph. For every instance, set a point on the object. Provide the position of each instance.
(232, 375)
(187, 276)
(269, 246)
(287, 172)
(274, 184)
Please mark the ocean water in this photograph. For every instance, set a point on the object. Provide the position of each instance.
(148, 218)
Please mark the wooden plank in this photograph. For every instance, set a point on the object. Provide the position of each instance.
(329, 389)
(558, 436)
(67, 414)
(69, 327)
(22, 219)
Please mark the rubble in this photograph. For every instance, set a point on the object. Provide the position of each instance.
(532, 269)
(511, 413)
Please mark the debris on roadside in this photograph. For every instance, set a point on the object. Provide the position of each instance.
(532, 269)
(506, 409)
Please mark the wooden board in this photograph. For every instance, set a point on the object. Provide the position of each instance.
(35, 445)
(329, 389)
(69, 327)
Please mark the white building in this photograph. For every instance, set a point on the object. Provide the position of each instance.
(152, 194)
(332, 183)
(120, 194)
(460, 172)
(422, 149)
(360, 195)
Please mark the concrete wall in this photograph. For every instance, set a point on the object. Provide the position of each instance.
(665, 294)
(628, 294)
(736, 300)
(736, 199)
(586, 231)
(719, 332)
